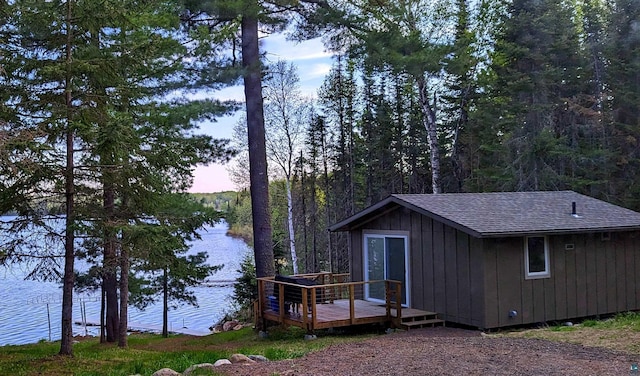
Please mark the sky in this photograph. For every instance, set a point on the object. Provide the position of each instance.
(313, 64)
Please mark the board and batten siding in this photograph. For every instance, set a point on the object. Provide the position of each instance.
(589, 276)
(446, 265)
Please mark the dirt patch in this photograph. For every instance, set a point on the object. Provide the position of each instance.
(613, 339)
(447, 351)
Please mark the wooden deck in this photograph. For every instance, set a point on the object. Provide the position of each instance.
(335, 304)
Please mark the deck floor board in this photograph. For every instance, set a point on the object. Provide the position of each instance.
(338, 313)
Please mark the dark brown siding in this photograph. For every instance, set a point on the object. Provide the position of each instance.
(490, 285)
(417, 261)
(582, 277)
(593, 277)
(439, 277)
(476, 280)
(464, 277)
(357, 261)
(509, 277)
(593, 295)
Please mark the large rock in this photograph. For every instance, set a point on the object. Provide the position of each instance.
(229, 325)
(195, 367)
(240, 359)
(221, 362)
(258, 358)
(165, 372)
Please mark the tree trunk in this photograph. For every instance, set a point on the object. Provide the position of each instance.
(103, 303)
(110, 264)
(327, 205)
(165, 303)
(66, 343)
(124, 296)
(263, 247)
(429, 120)
(292, 235)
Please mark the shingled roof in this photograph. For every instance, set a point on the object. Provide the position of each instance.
(507, 213)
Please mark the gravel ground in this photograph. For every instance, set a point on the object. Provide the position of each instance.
(447, 351)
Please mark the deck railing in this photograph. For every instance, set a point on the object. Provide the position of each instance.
(275, 296)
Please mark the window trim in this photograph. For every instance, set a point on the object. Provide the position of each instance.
(547, 263)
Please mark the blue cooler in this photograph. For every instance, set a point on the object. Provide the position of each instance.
(273, 303)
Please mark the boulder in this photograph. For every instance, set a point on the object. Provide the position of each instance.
(238, 327)
(229, 325)
(195, 367)
(165, 372)
(221, 362)
(240, 359)
(258, 358)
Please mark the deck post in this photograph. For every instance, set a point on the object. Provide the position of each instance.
(352, 304)
(398, 286)
(387, 295)
(305, 308)
(281, 302)
(314, 308)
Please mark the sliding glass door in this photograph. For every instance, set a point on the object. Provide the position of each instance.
(385, 257)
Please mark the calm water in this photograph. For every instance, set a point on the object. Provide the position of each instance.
(24, 305)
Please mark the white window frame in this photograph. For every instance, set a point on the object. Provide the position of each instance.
(547, 264)
(384, 234)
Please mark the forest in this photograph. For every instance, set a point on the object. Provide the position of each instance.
(450, 96)
(101, 101)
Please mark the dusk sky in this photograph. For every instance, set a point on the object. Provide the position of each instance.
(313, 64)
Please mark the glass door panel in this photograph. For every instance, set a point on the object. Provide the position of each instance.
(395, 263)
(375, 267)
(385, 258)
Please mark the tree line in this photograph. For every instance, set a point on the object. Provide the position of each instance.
(451, 96)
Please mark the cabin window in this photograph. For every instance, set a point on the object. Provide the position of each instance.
(536, 255)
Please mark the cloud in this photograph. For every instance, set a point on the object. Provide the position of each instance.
(277, 47)
(320, 70)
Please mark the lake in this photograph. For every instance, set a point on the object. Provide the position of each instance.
(27, 306)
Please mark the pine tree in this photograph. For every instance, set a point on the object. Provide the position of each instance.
(623, 83)
(537, 67)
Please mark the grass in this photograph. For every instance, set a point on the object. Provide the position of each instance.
(148, 353)
(620, 332)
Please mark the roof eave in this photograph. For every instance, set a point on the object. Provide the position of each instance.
(344, 225)
(501, 234)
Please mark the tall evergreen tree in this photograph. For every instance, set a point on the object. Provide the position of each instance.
(623, 82)
(40, 121)
(537, 67)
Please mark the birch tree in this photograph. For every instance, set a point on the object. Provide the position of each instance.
(286, 116)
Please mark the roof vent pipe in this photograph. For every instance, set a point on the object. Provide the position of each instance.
(573, 208)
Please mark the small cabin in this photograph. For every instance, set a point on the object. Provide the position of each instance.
(491, 260)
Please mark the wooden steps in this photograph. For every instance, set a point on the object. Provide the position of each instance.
(422, 319)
